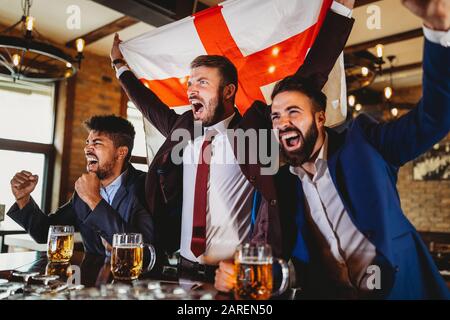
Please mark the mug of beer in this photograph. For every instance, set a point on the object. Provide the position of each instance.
(127, 256)
(60, 243)
(253, 263)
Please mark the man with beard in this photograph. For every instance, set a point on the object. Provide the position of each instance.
(108, 198)
(340, 214)
(213, 199)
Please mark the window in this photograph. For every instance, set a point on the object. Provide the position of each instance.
(26, 137)
(139, 154)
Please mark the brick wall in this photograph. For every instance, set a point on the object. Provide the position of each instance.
(425, 203)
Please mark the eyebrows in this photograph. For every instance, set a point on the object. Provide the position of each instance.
(287, 109)
(193, 79)
(95, 140)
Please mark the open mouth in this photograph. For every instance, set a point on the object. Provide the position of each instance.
(291, 140)
(92, 161)
(197, 106)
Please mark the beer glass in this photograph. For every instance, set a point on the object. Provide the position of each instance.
(128, 256)
(253, 263)
(60, 243)
(61, 269)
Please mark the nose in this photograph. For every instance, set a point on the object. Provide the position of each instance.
(283, 123)
(192, 90)
(87, 148)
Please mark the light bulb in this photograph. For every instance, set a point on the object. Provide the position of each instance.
(351, 100)
(379, 48)
(394, 112)
(275, 51)
(388, 92)
(68, 65)
(29, 22)
(183, 80)
(358, 107)
(79, 44)
(271, 69)
(16, 59)
(364, 71)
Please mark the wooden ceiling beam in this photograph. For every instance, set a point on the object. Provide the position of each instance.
(106, 30)
(385, 40)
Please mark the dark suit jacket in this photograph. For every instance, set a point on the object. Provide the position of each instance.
(363, 162)
(127, 213)
(164, 180)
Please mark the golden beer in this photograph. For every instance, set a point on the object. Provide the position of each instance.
(254, 279)
(63, 270)
(60, 247)
(126, 261)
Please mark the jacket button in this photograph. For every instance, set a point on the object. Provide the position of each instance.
(252, 179)
(273, 202)
(397, 268)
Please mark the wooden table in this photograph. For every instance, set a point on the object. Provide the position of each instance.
(94, 271)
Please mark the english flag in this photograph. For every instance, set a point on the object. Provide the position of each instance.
(265, 39)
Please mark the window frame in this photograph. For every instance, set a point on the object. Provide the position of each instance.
(48, 150)
(123, 112)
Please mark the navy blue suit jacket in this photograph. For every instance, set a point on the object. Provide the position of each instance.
(363, 162)
(126, 214)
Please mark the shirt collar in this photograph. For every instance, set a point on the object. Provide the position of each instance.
(221, 126)
(319, 163)
(117, 182)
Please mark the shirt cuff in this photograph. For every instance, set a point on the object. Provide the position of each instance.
(121, 70)
(439, 37)
(339, 8)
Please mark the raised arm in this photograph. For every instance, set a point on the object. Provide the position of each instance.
(37, 223)
(328, 45)
(407, 137)
(151, 107)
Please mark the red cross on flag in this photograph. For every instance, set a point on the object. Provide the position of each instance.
(265, 39)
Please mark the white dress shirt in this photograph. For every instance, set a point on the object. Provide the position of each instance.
(229, 202)
(347, 244)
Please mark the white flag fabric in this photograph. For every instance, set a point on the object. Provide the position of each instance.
(267, 40)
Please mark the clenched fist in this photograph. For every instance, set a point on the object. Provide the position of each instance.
(115, 50)
(88, 189)
(22, 184)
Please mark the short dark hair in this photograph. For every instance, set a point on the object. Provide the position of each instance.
(118, 129)
(226, 68)
(305, 86)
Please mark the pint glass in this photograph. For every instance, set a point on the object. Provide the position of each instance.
(253, 263)
(127, 256)
(60, 243)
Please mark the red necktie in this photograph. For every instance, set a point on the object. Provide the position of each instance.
(198, 241)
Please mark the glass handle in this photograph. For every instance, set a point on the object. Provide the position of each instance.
(152, 257)
(285, 276)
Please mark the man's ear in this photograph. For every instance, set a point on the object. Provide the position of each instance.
(122, 151)
(229, 91)
(320, 118)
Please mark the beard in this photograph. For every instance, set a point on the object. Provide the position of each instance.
(106, 170)
(297, 157)
(215, 109)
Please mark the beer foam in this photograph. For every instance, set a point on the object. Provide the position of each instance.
(59, 234)
(255, 261)
(127, 246)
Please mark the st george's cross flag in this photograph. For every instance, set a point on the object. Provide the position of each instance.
(266, 40)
